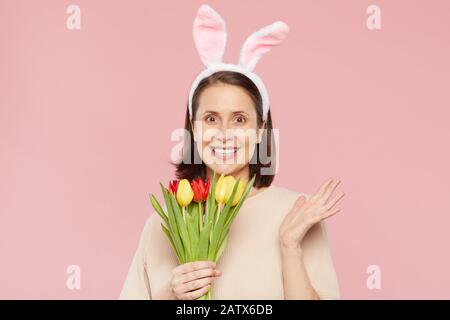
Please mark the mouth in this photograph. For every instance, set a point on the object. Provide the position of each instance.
(224, 153)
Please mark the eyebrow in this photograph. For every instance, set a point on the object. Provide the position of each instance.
(215, 112)
(209, 111)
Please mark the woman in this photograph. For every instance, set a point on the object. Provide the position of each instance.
(278, 246)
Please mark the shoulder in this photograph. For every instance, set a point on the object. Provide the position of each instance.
(277, 199)
(286, 194)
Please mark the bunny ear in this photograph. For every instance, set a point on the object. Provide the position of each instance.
(261, 42)
(209, 35)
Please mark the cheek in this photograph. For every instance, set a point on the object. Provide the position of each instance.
(248, 143)
(207, 135)
(202, 138)
(203, 142)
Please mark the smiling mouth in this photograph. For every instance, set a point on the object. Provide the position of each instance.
(224, 153)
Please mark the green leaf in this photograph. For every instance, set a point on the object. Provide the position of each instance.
(189, 208)
(181, 227)
(159, 209)
(167, 232)
(223, 243)
(193, 234)
(173, 226)
(195, 213)
(203, 243)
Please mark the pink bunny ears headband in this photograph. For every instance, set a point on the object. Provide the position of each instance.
(210, 38)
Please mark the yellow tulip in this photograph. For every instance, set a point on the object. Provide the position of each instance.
(224, 188)
(184, 193)
(239, 192)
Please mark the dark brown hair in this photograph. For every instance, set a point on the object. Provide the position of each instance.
(189, 169)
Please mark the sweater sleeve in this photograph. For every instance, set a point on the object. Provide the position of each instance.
(324, 279)
(136, 285)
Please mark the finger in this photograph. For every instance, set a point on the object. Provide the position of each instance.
(321, 190)
(196, 284)
(333, 202)
(198, 274)
(193, 266)
(330, 190)
(193, 295)
(330, 213)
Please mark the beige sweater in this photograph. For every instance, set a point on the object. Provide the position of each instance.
(251, 262)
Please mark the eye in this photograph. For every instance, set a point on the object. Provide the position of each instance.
(207, 118)
(241, 119)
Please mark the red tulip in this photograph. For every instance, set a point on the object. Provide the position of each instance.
(200, 189)
(173, 185)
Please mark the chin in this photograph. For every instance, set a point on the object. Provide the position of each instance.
(226, 169)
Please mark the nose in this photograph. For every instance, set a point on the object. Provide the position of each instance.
(225, 134)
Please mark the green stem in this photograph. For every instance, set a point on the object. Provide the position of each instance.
(218, 212)
(209, 294)
(206, 296)
(200, 216)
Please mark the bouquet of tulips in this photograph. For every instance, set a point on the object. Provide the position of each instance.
(199, 215)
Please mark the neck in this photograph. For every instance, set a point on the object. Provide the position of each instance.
(243, 174)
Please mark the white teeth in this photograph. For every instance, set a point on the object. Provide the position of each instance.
(225, 151)
(222, 151)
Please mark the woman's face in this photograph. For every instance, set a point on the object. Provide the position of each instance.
(226, 128)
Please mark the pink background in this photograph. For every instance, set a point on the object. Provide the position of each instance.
(86, 117)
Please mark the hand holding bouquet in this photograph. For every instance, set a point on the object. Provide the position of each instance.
(199, 216)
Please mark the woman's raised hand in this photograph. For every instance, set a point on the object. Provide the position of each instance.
(305, 213)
